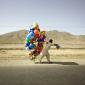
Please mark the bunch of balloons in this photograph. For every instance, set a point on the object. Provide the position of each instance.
(32, 36)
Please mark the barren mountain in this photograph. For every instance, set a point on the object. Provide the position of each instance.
(18, 37)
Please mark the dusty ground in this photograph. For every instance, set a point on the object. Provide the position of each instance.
(59, 57)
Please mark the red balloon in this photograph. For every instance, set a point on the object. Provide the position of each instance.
(32, 40)
(36, 32)
(37, 35)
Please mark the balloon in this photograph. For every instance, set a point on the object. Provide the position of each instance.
(41, 38)
(36, 32)
(39, 47)
(27, 44)
(36, 26)
(31, 46)
(31, 28)
(28, 40)
(29, 36)
(32, 40)
(37, 35)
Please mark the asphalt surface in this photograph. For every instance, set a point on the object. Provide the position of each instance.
(43, 74)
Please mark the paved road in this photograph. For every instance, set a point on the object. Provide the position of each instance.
(44, 74)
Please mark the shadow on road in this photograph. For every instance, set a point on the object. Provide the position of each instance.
(62, 63)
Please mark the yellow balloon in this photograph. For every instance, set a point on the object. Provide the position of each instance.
(36, 26)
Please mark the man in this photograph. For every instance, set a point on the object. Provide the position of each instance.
(45, 51)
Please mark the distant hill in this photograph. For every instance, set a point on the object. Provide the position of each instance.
(18, 37)
(65, 37)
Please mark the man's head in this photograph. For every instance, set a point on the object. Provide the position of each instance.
(51, 41)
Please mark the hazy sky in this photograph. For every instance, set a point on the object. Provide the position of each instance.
(62, 15)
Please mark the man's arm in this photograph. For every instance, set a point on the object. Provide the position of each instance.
(57, 46)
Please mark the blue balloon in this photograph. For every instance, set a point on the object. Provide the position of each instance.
(30, 35)
(27, 44)
(31, 27)
(31, 46)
